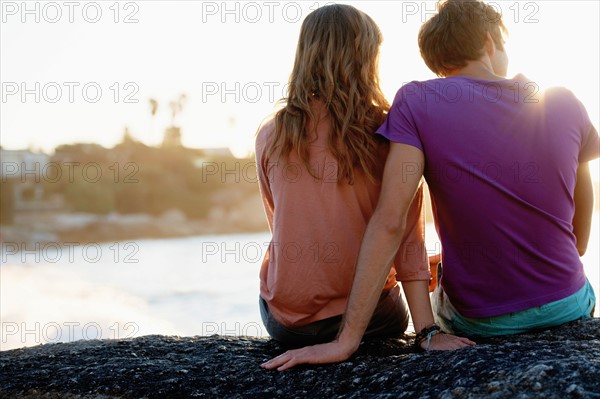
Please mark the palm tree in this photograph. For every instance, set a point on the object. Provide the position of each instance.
(153, 109)
(172, 136)
(177, 107)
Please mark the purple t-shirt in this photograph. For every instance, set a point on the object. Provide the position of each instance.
(500, 160)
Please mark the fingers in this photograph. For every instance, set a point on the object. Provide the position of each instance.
(331, 352)
(449, 342)
(277, 361)
(287, 360)
(289, 364)
(467, 341)
(460, 342)
(290, 359)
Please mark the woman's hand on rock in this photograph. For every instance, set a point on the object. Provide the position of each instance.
(331, 352)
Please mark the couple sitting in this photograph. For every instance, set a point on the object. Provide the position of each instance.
(341, 171)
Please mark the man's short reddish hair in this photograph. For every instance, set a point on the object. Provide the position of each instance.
(457, 34)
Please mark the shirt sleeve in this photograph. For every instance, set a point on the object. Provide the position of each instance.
(400, 126)
(590, 141)
(262, 169)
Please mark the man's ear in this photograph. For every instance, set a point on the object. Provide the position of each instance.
(490, 46)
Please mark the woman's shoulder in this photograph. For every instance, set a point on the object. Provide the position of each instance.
(264, 137)
(265, 132)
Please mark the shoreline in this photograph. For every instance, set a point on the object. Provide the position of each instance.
(82, 228)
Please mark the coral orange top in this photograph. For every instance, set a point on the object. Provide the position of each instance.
(317, 226)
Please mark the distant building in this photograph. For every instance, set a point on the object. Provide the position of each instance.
(172, 137)
(22, 164)
(23, 174)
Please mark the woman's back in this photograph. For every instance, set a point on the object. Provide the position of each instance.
(319, 165)
(318, 223)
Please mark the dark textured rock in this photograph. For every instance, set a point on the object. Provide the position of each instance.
(558, 363)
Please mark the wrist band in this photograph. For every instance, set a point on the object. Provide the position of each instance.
(431, 334)
(426, 334)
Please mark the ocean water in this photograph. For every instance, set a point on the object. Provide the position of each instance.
(185, 286)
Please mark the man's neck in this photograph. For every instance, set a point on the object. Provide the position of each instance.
(477, 70)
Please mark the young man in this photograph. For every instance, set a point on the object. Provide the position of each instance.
(510, 185)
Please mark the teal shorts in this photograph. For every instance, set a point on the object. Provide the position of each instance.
(580, 305)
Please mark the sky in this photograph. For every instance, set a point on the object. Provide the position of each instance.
(82, 71)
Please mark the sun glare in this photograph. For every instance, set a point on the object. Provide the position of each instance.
(542, 45)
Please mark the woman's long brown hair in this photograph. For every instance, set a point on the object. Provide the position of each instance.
(336, 63)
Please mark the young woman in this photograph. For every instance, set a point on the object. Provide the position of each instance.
(320, 165)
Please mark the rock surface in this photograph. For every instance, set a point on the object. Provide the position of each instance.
(558, 363)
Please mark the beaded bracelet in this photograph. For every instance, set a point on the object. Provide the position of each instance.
(426, 334)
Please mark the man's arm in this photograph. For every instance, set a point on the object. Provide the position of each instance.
(584, 207)
(401, 178)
